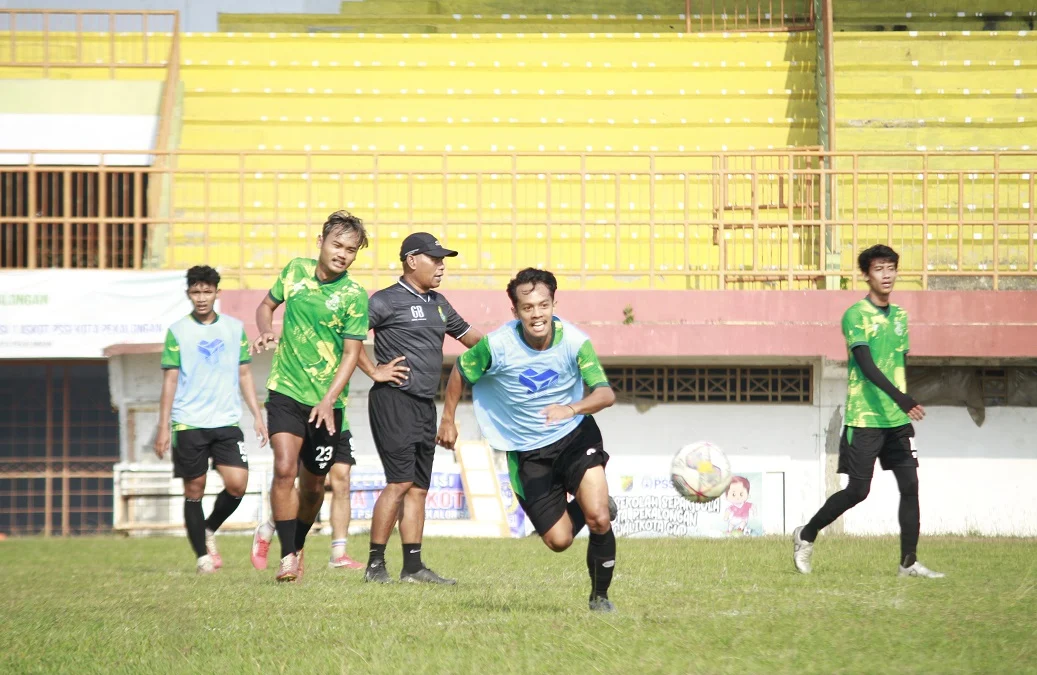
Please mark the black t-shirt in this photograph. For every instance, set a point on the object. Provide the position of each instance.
(406, 323)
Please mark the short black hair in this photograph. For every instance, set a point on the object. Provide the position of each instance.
(203, 274)
(531, 275)
(876, 252)
(346, 222)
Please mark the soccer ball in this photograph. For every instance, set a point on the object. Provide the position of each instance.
(700, 472)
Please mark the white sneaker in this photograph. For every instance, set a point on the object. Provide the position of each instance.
(802, 551)
(205, 565)
(919, 570)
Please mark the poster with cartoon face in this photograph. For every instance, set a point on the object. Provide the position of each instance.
(741, 516)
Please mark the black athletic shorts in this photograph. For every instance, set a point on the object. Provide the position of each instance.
(542, 477)
(404, 430)
(860, 446)
(193, 448)
(344, 449)
(285, 415)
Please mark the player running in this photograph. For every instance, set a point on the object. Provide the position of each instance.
(325, 322)
(878, 414)
(206, 363)
(528, 382)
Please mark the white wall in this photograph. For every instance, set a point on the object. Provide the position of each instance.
(973, 479)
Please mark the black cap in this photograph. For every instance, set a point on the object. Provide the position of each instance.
(423, 242)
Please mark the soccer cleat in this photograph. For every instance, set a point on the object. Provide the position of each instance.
(601, 604)
(210, 549)
(377, 573)
(261, 546)
(346, 562)
(613, 509)
(425, 576)
(206, 565)
(802, 552)
(919, 570)
(289, 569)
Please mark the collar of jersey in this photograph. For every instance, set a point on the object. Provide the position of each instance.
(413, 292)
(556, 334)
(884, 310)
(344, 274)
(195, 319)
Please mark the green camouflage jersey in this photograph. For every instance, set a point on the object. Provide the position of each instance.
(317, 318)
(886, 337)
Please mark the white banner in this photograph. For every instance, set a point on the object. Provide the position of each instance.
(58, 314)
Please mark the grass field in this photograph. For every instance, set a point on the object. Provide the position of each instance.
(685, 606)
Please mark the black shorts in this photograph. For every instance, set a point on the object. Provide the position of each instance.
(344, 449)
(404, 430)
(193, 448)
(861, 445)
(285, 415)
(542, 477)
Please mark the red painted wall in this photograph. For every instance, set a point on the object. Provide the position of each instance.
(973, 324)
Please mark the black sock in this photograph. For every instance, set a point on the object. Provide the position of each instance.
(226, 503)
(910, 516)
(412, 558)
(576, 516)
(601, 561)
(301, 530)
(376, 554)
(856, 492)
(286, 533)
(194, 521)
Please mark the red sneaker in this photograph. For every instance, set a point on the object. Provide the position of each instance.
(210, 548)
(261, 546)
(346, 562)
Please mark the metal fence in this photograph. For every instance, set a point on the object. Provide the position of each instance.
(706, 220)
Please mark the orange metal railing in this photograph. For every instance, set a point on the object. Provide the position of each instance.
(58, 39)
(703, 220)
(763, 15)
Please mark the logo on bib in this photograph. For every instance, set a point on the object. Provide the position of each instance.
(536, 382)
(211, 349)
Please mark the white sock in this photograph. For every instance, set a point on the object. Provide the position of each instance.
(338, 548)
(266, 531)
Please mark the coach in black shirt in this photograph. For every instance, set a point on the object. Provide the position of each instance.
(409, 320)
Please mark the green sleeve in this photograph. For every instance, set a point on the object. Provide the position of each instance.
(854, 330)
(170, 352)
(907, 334)
(476, 361)
(590, 367)
(245, 356)
(277, 290)
(355, 318)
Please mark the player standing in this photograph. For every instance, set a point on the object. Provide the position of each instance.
(878, 414)
(409, 320)
(325, 322)
(528, 382)
(206, 363)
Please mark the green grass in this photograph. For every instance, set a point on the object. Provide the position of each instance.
(115, 605)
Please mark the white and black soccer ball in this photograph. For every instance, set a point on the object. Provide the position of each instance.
(700, 472)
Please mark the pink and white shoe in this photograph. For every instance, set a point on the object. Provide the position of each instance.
(261, 545)
(288, 572)
(206, 566)
(346, 562)
(210, 549)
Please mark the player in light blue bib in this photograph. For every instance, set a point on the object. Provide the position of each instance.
(206, 373)
(528, 379)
